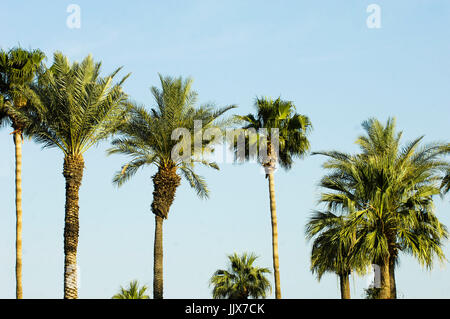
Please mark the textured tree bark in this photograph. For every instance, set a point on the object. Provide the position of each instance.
(273, 212)
(73, 173)
(165, 183)
(158, 259)
(18, 155)
(345, 286)
(392, 282)
(385, 291)
(393, 253)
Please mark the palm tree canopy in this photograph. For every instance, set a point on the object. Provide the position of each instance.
(147, 137)
(132, 292)
(386, 192)
(73, 106)
(18, 68)
(241, 280)
(293, 129)
(330, 251)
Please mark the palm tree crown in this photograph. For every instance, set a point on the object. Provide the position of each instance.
(147, 137)
(75, 108)
(291, 135)
(132, 292)
(241, 280)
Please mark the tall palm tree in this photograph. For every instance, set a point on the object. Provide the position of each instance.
(332, 252)
(148, 138)
(387, 194)
(288, 130)
(132, 292)
(242, 279)
(383, 141)
(73, 109)
(18, 68)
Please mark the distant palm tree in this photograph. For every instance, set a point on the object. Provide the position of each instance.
(332, 252)
(386, 192)
(372, 293)
(242, 279)
(291, 137)
(147, 138)
(132, 292)
(18, 68)
(73, 109)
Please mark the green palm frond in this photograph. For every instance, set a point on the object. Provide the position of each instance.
(386, 194)
(293, 130)
(132, 292)
(146, 136)
(241, 280)
(73, 106)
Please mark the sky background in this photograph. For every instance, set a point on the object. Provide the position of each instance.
(319, 54)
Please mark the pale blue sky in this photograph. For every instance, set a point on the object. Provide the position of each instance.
(319, 54)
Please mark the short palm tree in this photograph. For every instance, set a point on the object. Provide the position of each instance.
(148, 138)
(73, 109)
(132, 292)
(333, 253)
(18, 68)
(289, 130)
(242, 279)
(387, 194)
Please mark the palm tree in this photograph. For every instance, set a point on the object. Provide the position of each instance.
(284, 138)
(133, 292)
(73, 109)
(18, 68)
(386, 192)
(332, 252)
(383, 141)
(148, 138)
(241, 280)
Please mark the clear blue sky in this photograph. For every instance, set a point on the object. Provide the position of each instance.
(319, 54)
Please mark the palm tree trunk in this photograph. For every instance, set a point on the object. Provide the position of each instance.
(345, 286)
(385, 291)
(158, 259)
(393, 285)
(165, 183)
(73, 173)
(18, 155)
(273, 212)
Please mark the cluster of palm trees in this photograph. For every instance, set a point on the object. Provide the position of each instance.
(378, 203)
